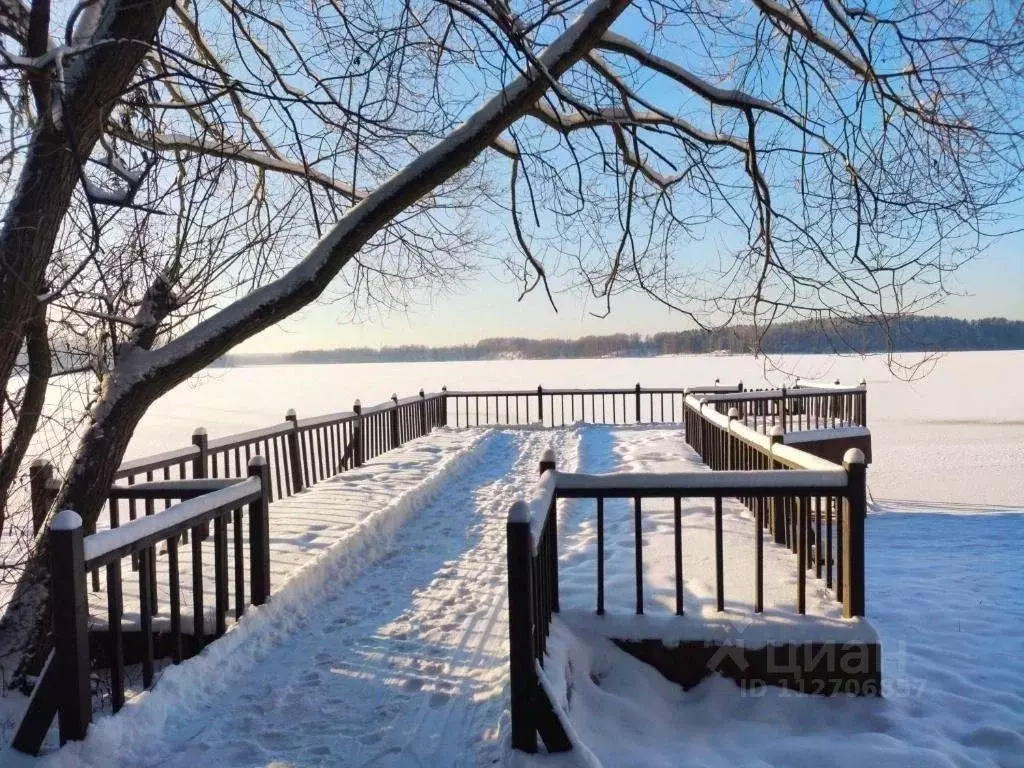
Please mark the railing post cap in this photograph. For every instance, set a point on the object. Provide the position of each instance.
(548, 457)
(290, 416)
(777, 432)
(421, 393)
(257, 461)
(734, 413)
(394, 396)
(356, 403)
(66, 520)
(863, 382)
(853, 456)
(444, 387)
(519, 512)
(199, 432)
(837, 382)
(716, 381)
(38, 463)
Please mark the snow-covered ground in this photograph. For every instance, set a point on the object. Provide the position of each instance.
(390, 649)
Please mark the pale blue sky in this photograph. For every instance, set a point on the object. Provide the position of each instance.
(993, 286)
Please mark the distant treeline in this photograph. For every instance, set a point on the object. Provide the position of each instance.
(914, 334)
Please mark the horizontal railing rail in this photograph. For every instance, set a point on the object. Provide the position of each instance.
(64, 688)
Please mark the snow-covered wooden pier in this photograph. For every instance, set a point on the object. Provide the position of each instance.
(386, 560)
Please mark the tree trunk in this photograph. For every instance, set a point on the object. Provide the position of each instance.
(54, 159)
(39, 368)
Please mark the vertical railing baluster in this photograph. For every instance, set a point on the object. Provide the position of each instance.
(239, 557)
(198, 619)
(719, 558)
(639, 555)
(220, 571)
(146, 614)
(801, 556)
(678, 521)
(174, 583)
(115, 632)
(600, 555)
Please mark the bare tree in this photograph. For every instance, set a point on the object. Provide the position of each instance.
(166, 160)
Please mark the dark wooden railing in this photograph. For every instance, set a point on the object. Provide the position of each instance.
(207, 482)
(64, 686)
(787, 489)
(558, 407)
(823, 529)
(796, 408)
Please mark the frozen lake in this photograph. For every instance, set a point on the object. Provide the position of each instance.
(954, 439)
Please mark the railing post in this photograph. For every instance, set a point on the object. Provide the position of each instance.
(423, 413)
(444, 405)
(40, 473)
(357, 452)
(853, 533)
(259, 533)
(863, 399)
(522, 657)
(395, 435)
(638, 403)
(540, 404)
(200, 470)
(782, 410)
(547, 460)
(778, 504)
(70, 625)
(294, 454)
(733, 414)
(201, 463)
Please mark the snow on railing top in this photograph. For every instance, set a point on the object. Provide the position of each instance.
(786, 454)
(113, 543)
(539, 504)
(775, 394)
(832, 386)
(241, 438)
(167, 458)
(697, 483)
